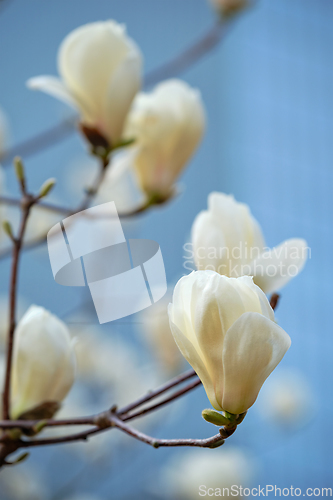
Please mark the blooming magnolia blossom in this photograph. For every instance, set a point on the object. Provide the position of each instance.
(225, 329)
(208, 473)
(100, 67)
(227, 238)
(43, 361)
(167, 125)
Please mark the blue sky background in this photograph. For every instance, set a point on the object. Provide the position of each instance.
(268, 94)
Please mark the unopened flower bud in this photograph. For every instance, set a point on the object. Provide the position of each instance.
(43, 363)
(46, 187)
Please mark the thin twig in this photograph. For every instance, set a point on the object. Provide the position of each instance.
(160, 390)
(158, 405)
(212, 442)
(40, 142)
(189, 56)
(27, 202)
(91, 420)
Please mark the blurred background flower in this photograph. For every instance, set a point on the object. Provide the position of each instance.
(267, 91)
(192, 472)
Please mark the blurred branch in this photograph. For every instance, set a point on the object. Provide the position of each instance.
(103, 421)
(39, 240)
(26, 203)
(39, 142)
(190, 56)
(180, 63)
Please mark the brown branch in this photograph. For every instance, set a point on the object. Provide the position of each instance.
(91, 420)
(158, 405)
(114, 421)
(39, 240)
(189, 56)
(212, 442)
(27, 202)
(157, 392)
(39, 142)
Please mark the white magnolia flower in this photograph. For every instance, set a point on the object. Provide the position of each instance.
(43, 361)
(227, 238)
(190, 474)
(100, 67)
(225, 329)
(167, 124)
(287, 399)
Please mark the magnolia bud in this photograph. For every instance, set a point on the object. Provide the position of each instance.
(228, 239)
(43, 364)
(214, 417)
(46, 187)
(7, 227)
(100, 69)
(167, 125)
(19, 168)
(225, 329)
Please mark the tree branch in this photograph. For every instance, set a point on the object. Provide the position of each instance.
(27, 202)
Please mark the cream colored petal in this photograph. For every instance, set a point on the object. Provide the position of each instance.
(87, 58)
(209, 246)
(276, 267)
(54, 87)
(215, 306)
(123, 87)
(43, 361)
(241, 231)
(180, 311)
(192, 356)
(253, 347)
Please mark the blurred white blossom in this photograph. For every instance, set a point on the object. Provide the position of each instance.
(119, 185)
(23, 483)
(43, 361)
(167, 125)
(224, 468)
(287, 399)
(225, 328)
(227, 238)
(100, 69)
(156, 332)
